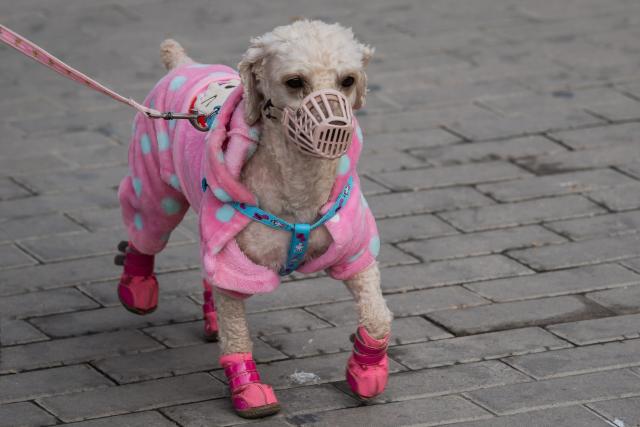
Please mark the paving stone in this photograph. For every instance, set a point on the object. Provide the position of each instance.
(98, 219)
(405, 140)
(11, 190)
(582, 159)
(370, 187)
(425, 412)
(622, 412)
(592, 331)
(44, 303)
(423, 179)
(492, 345)
(522, 213)
(217, 412)
(607, 136)
(575, 280)
(419, 202)
(327, 368)
(580, 253)
(139, 419)
(619, 198)
(632, 168)
(26, 164)
(574, 361)
(192, 333)
(42, 225)
(134, 397)
(511, 399)
(552, 185)
(334, 340)
(47, 382)
(633, 264)
(172, 284)
(81, 245)
(73, 180)
(413, 227)
(113, 318)
(429, 300)
(450, 272)
(447, 380)
(621, 301)
(516, 148)
(571, 416)
(599, 226)
(391, 256)
(12, 257)
(284, 321)
(24, 414)
(14, 332)
(482, 243)
(73, 350)
(508, 315)
(381, 158)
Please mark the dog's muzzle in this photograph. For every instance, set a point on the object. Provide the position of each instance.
(321, 127)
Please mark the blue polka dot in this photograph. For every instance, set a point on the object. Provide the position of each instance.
(171, 206)
(254, 133)
(251, 150)
(177, 82)
(198, 65)
(152, 103)
(343, 166)
(225, 213)
(221, 195)
(145, 144)
(172, 123)
(220, 156)
(163, 141)
(137, 221)
(137, 186)
(217, 74)
(356, 256)
(359, 133)
(374, 245)
(134, 127)
(175, 182)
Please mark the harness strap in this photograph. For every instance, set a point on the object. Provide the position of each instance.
(40, 55)
(299, 232)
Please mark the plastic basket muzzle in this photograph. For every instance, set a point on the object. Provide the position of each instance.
(322, 126)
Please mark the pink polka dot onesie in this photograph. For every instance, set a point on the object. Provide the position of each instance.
(174, 166)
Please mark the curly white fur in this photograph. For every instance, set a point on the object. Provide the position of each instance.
(288, 183)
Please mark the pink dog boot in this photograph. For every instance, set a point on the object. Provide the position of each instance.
(250, 398)
(138, 287)
(209, 311)
(368, 366)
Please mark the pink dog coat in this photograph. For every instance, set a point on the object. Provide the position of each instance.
(170, 161)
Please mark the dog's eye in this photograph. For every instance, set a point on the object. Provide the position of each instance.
(348, 81)
(295, 83)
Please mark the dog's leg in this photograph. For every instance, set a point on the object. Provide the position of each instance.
(368, 366)
(250, 397)
(373, 313)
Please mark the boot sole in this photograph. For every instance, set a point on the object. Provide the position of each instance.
(260, 412)
(138, 311)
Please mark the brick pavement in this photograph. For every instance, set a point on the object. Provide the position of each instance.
(502, 161)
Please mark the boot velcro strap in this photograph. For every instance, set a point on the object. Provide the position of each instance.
(137, 264)
(241, 373)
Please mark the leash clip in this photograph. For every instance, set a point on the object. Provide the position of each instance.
(197, 120)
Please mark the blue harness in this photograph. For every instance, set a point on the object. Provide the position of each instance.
(299, 232)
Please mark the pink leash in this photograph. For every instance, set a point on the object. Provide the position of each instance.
(36, 53)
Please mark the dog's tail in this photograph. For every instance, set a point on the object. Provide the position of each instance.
(173, 54)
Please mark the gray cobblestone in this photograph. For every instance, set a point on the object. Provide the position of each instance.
(608, 136)
(517, 314)
(41, 225)
(139, 419)
(553, 185)
(44, 303)
(522, 213)
(573, 361)
(511, 399)
(492, 345)
(429, 300)
(14, 332)
(571, 416)
(413, 227)
(134, 397)
(580, 253)
(483, 243)
(32, 385)
(24, 414)
(621, 301)
(599, 330)
(11, 257)
(619, 198)
(599, 226)
(11, 190)
(424, 179)
(625, 410)
(576, 280)
(582, 159)
(72, 350)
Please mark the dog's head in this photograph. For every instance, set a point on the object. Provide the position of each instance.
(290, 62)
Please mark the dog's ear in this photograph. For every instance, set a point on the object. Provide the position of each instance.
(249, 68)
(361, 85)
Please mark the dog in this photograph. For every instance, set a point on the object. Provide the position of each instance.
(274, 184)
